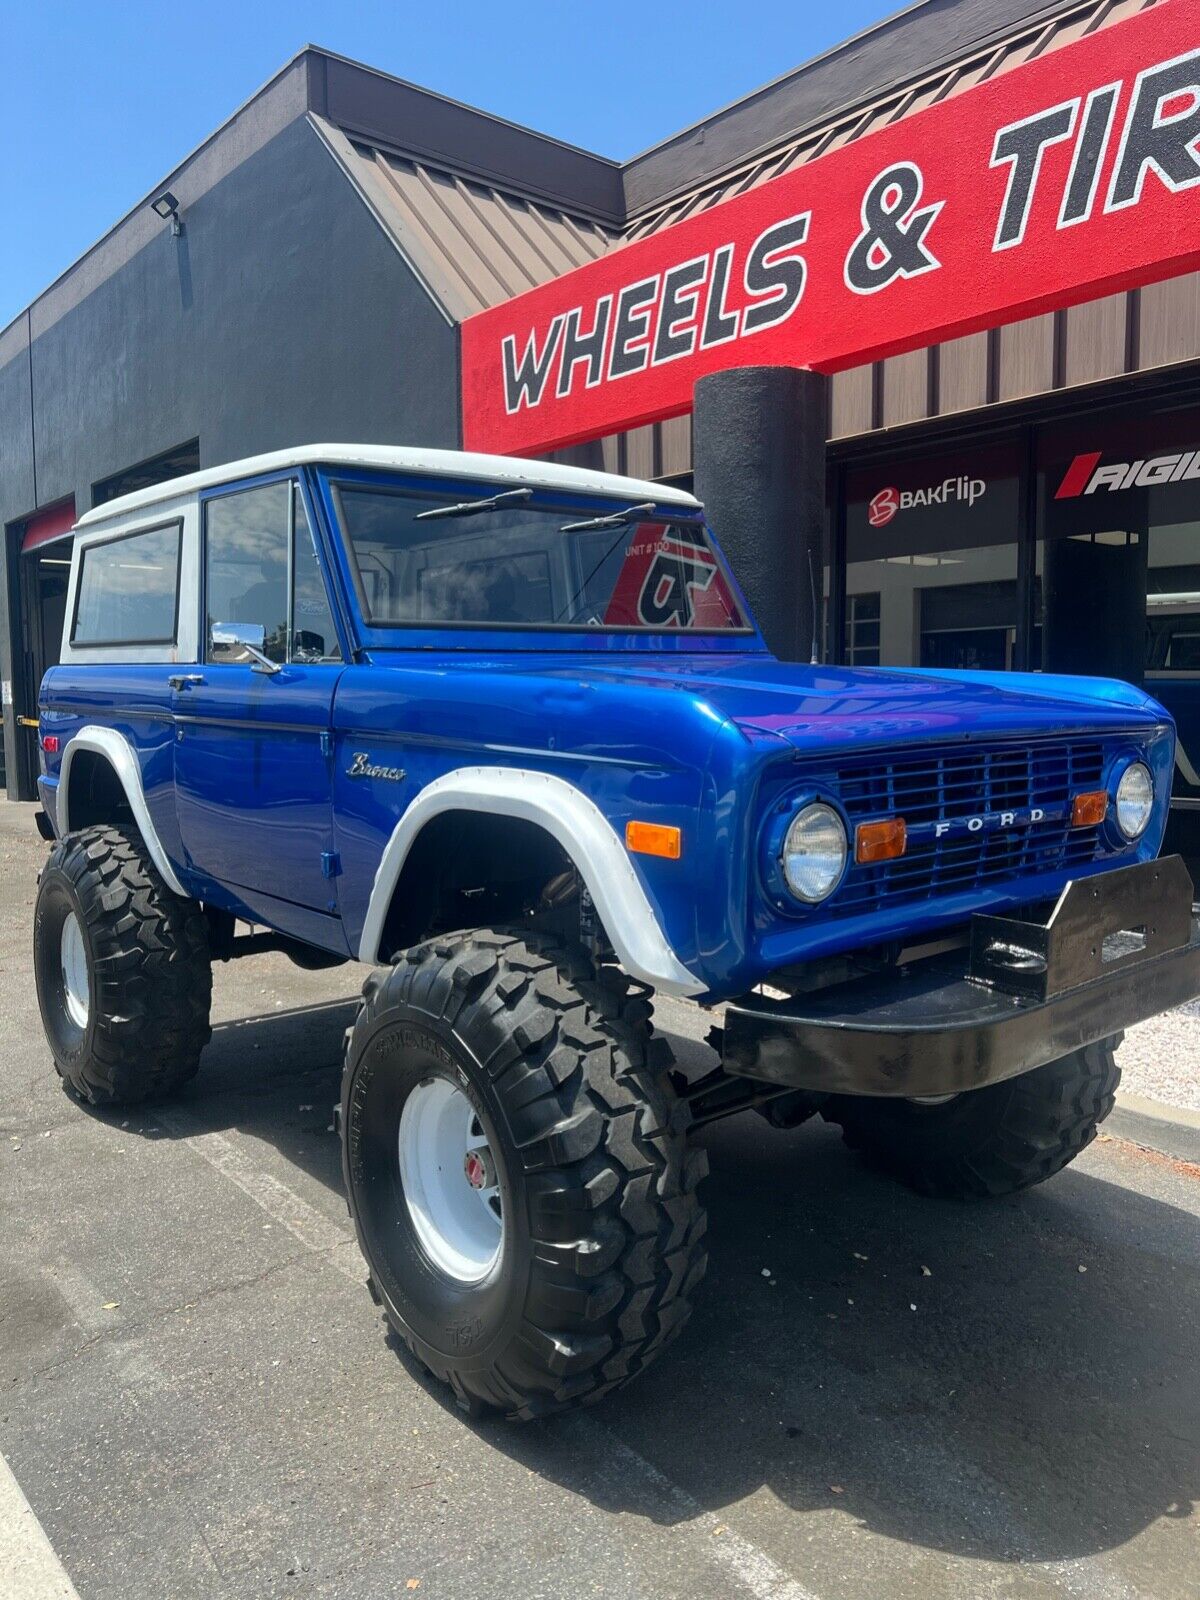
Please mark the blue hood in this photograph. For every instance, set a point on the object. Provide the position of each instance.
(808, 707)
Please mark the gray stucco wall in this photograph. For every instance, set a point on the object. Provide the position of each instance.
(16, 436)
(16, 481)
(282, 316)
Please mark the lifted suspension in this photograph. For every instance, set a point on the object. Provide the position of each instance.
(718, 1094)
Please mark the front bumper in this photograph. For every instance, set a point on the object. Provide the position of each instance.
(1118, 948)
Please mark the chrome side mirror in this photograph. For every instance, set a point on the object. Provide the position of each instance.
(242, 639)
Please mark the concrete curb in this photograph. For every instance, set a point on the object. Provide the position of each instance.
(1171, 1130)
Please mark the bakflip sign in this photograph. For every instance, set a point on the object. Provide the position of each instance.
(951, 491)
(1072, 177)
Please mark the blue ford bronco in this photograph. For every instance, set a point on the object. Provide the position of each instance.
(505, 733)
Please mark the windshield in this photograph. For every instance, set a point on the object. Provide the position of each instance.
(504, 565)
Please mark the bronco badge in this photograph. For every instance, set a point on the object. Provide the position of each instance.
(363, 767)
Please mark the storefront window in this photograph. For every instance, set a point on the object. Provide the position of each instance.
(1126, 496)
(862, 629)
(1118, 561)
(932, 561)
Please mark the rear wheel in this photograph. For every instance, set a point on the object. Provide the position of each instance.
(987, 1142)
(518, 1171)
(124, 979)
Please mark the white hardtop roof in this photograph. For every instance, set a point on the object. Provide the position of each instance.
(398, 458)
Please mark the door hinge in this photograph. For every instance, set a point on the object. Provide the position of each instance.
(326, 742)
(331, 864)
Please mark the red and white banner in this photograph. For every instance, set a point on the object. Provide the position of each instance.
(46, 526)
(1072, 177)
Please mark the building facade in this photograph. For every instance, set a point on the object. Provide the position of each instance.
(338, 230)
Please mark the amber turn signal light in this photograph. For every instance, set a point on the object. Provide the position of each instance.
(1089, 810)
(653, 839)
(880, 841)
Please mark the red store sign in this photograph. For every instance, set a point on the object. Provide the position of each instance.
(1073, 177)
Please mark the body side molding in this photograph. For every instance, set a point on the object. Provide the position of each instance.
(583, 832)
(116, 749)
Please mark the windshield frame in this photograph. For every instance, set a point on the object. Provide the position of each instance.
(551, 501)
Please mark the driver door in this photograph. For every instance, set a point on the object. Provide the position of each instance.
(252, 773)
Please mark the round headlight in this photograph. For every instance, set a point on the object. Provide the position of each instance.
(814, 853)
(1135, 800)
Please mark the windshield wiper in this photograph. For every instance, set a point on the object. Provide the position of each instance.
(472, 508)
(617, 519)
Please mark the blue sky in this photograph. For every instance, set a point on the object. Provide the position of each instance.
(100, 100)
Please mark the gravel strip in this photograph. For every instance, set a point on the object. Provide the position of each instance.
(1160, 1059)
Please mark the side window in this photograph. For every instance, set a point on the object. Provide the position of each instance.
(262, 581)
(314, 637)
(246, 573)
(128, 591)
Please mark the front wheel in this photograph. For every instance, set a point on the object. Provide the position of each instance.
(518, 1172)
(987, 1142)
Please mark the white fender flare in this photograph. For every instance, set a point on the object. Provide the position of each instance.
(117, 750)
(579, 827)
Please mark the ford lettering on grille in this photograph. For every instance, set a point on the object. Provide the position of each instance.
(986, 822)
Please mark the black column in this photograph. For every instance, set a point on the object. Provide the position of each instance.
(1095, 611)
(758, 443)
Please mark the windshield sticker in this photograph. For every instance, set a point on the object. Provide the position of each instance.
(670, 580)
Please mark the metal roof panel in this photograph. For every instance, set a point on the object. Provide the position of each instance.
(472, 245)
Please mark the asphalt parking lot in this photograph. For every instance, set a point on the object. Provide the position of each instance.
(197, 1397)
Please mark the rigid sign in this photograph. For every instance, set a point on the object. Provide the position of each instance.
(1091, 472)
(1066, 179)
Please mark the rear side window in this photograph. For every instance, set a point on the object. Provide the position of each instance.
(128, 589)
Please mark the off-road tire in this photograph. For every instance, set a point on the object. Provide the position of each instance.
(988, 1142)
(603, 1233)
(149, 972)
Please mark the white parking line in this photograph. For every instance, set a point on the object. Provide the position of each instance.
(752, 1567)
(30, 1568)
(304, 1222)
(609, 1456)
(82, 1298)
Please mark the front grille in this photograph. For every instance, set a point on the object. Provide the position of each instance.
(926, 787)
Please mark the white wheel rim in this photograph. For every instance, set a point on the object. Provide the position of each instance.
(76, 989)
(450, 1182)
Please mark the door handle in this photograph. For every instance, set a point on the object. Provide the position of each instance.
(184, 680)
